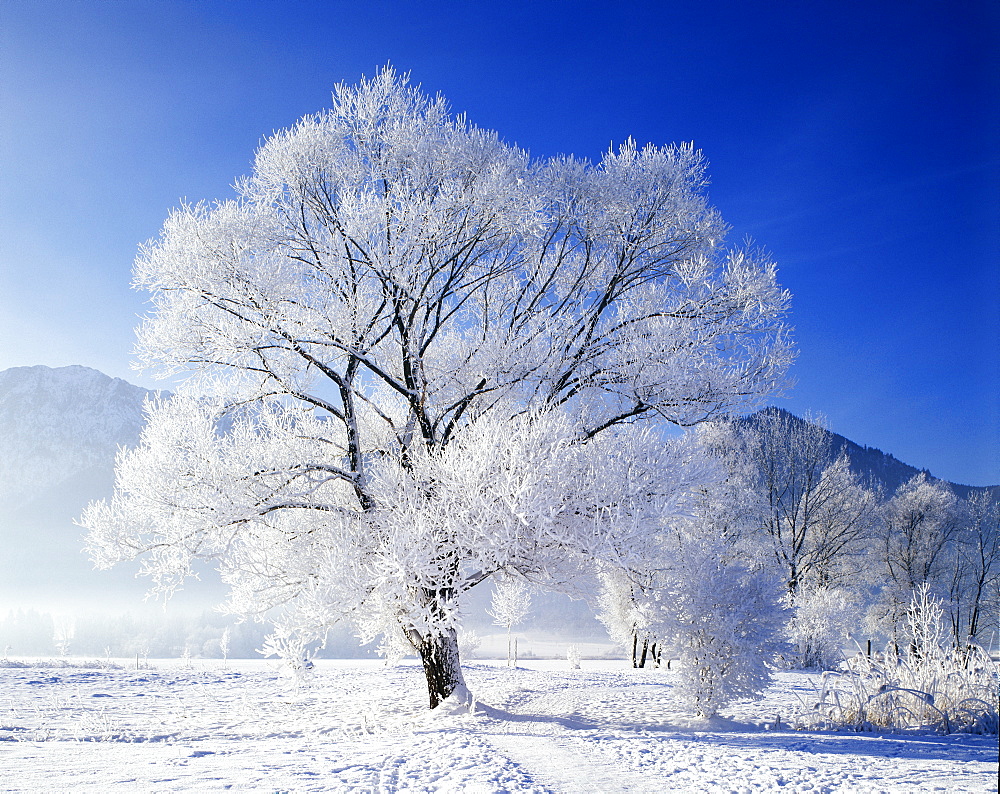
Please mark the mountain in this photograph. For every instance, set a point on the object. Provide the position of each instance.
(62, 425)
(871, 464)
(60, 430)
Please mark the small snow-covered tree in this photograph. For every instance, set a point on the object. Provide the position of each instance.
(694, 594)
(723, 622)
(920, 525)
(224, 642)
(63, 633)
(822, 621)
(511, 604)
(416, 358)
(623, 608)
(629, 599)
(469, 642)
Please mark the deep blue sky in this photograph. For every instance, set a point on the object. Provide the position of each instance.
(858, 142)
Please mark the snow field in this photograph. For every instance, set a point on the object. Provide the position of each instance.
(361, 726)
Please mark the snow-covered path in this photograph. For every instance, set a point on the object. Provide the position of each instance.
(618, 732)
(363, 727)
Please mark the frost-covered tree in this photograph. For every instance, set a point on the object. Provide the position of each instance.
(815, 517)
(822, 620)
(510, 605)
(623, 604)
(919, 531)
(722, 621)
(970, 570)
(417, 358)
(694, 595)
(628, 601)
(978, 607)
(62, 636)
(468, 642)
(920, 522)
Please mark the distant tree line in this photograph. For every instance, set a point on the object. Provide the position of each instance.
(29, 632)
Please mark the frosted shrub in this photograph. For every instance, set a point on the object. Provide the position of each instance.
(933, 686)
(468, 642)
(725, 624)
(573, 657)
(295, 655)
(819, 626)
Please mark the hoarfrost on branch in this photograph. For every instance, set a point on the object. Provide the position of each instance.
(417, 358)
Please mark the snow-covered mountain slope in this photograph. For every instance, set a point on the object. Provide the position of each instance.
(59, 432)
(58, 425)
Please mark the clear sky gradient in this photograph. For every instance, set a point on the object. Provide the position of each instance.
(858, 142)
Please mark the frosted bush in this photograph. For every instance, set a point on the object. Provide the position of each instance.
(725, 624)
(573, 657)
(100, 726)
(822, 619)
(295, 654)
(933, 686)
(468, 642)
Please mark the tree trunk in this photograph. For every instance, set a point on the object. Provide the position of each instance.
(442, 667)
(974, 617)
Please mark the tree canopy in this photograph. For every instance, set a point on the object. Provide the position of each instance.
(416, 357)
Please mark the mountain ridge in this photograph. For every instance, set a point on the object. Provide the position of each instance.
(57, 422)
(873, 464)
(60, 431)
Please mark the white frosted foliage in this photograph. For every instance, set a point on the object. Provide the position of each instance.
(724, 623)
(416, 358)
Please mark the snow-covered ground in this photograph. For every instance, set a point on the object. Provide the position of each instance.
(360, 726)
